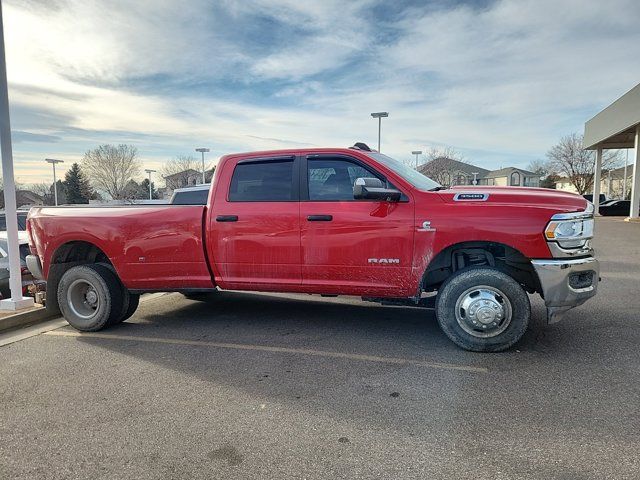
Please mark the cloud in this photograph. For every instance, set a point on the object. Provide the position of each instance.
(19, 136)
(500, 81)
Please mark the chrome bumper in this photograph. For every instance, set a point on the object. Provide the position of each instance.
(566, 283)
(34, 266)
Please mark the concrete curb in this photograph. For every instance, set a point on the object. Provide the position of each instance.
(40, 314)
(22, 319)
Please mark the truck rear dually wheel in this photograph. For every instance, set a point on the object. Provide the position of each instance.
(90, 297)
(130, 301)
(483, 309)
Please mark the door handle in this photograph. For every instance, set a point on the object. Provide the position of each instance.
(227, 218)
(320, 218)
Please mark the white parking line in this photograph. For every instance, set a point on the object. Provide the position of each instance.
(267, 348)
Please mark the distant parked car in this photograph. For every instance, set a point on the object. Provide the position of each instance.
(29, 283)
(196, 195)
(589, 197)
(22, 221)
(616, 208)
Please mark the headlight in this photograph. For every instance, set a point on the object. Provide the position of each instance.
(571, 230)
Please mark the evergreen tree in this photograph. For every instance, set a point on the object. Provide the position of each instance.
(144, 188)
(76, 186)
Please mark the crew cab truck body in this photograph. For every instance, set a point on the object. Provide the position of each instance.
(335, 222)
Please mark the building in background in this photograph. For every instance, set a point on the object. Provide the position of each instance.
(511, 177)
(612, 183)
(24, 199)
(186, 178)
(449, 172)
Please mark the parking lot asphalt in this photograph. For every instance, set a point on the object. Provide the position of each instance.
(293, 386)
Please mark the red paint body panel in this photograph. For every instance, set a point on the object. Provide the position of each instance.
(273, 247)
(263, 246)
(151, 247)
(335, 255)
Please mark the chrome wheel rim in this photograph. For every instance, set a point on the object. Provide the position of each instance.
(83, 299)
(483, 311)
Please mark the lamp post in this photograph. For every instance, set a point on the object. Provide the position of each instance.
(416, 153)
(17, 301)
(475, 177)
(53, 162)
(149, 171)
(379, 116)
(202, 151)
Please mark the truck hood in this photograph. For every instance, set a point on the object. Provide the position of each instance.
(564, 202)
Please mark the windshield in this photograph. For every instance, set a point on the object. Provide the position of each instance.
(415, 178)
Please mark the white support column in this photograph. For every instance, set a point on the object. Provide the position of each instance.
(16, 301)
(596, 181)
(635, 179)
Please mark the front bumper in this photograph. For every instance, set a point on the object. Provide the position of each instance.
(566, 283)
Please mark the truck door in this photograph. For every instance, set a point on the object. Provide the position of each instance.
(360, 247)
(254, 225)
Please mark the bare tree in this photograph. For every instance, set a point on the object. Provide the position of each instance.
(548, 177)
(444, 152)
(569, 159)
(110, 168)
(540, 166)
(443, 165)
(180, 170)
(44, 190)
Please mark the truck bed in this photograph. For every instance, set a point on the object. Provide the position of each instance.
(151, 246)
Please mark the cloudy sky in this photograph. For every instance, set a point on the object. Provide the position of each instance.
(499, 81)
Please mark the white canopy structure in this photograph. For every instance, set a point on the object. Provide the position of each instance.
(617, 126)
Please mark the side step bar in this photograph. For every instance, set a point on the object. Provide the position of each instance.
(427, 302)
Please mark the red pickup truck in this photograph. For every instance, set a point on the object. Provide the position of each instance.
(345, 221)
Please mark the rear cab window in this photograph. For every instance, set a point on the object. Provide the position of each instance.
(193, 197)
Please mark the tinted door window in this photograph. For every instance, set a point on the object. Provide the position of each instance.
(267, 181)
(334, 179)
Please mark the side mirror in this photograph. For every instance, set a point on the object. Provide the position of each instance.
(373, 189)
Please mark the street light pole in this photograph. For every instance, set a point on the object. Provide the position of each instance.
(149, 171)
(416, 153)
(17, 301)
(53, 161)
(202, 150)
(379, 116)
(475, 177)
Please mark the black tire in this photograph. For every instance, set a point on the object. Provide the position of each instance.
(89, 314)
(482, 309)
(134, 301)
(130, 301)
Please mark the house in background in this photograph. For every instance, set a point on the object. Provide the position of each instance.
(612, 183)
(24, 199)
(511, 177)
(186, 178)
(449, 172)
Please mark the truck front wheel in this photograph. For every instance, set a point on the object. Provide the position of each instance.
(482, 309)
(90, 297)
